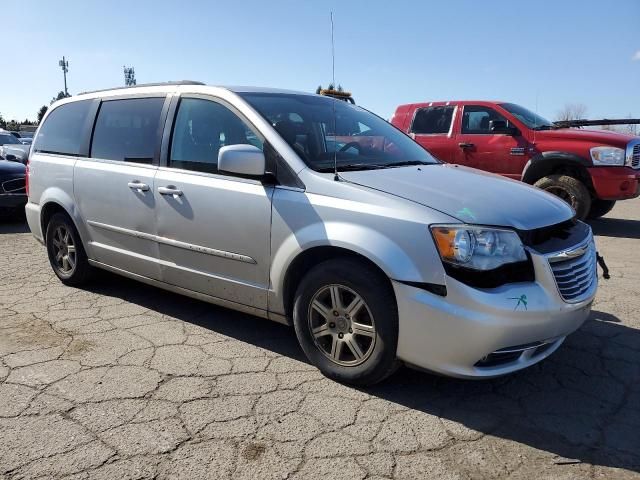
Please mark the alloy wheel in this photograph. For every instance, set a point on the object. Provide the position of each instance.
(342, 325)
(64, 250)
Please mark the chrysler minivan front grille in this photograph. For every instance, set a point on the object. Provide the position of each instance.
(575, 272)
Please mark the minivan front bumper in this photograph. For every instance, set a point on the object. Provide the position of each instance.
(473, 333)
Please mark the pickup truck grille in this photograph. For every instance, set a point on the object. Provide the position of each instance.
(575, 272)
(635, 156)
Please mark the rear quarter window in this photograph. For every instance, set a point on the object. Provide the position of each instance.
(432, 120)
(63, 130)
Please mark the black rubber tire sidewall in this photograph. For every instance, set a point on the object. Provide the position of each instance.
(379, 296)
(82, 271)
(599, 208)
(572, 185)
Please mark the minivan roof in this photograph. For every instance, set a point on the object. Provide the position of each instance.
(235, 89)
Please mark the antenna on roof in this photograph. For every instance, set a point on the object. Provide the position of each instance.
(336, 177)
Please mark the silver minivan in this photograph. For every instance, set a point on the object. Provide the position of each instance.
(314, 212)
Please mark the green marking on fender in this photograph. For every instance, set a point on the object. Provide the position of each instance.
(466, 212)
(522, 300)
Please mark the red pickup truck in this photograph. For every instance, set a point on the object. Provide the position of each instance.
(590, 169)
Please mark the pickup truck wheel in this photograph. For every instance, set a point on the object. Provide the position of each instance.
(346, 321)
(600, 208)
(569, 189)
(66, 252)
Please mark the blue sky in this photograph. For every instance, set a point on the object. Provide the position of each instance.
(387, 52)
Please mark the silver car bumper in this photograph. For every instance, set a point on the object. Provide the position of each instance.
(474, 333)
(32, 212)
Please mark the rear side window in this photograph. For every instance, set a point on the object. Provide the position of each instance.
(432, 120)
(127, 130)
(63, 130)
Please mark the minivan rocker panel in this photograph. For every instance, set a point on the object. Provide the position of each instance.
(371, 248)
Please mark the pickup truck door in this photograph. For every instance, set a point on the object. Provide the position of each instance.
(432, 128)
(478, 147)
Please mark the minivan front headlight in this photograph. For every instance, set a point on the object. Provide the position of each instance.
(477, 247)
(607, 156)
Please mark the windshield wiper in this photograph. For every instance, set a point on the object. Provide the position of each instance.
(354, 166)
(546, 127)
(408, 163)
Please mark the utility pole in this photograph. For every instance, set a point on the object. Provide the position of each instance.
(64, 64)
(129, 76)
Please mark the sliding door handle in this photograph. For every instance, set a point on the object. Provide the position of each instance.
(170, 190)
(136, 185)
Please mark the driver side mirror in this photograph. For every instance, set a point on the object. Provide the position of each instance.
(245, 160)
(500, 126)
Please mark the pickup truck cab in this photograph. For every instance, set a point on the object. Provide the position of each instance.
(589, 169)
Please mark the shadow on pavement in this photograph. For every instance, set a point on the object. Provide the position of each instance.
(582, 403)
(616, 227)
(13, 226)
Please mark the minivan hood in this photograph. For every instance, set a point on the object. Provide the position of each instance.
(599, 137)
(469, 195)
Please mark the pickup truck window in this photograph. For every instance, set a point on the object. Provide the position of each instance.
(432, 120)
(530, 119)
(475, 119)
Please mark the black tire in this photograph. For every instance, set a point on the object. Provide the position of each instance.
(569, 189)
(599, 208)
(79, 271)
(379, 307)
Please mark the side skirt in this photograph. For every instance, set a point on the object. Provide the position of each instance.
(190, 293)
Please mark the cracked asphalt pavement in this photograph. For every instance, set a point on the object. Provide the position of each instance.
(124, 381)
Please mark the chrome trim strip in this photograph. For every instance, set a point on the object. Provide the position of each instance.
(175, 243)
(572, 252)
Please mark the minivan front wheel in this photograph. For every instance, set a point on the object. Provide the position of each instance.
(346, 321)
(66, 253)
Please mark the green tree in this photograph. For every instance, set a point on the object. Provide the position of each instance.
(41, 112)
(319, 89)
(2, 122)
(60, 96)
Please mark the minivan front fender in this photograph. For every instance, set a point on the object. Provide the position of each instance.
(396, 261)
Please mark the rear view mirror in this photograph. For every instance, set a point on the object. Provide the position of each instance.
(500, 126)
(242, 160)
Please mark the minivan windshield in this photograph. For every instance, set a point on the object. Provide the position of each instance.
(530, 119)
(321, 129)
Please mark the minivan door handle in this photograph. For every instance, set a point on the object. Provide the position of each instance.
(170, 190)
(135, 185)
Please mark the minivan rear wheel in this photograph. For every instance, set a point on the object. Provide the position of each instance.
(66, 252)
(569, 189)
(346, 321)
